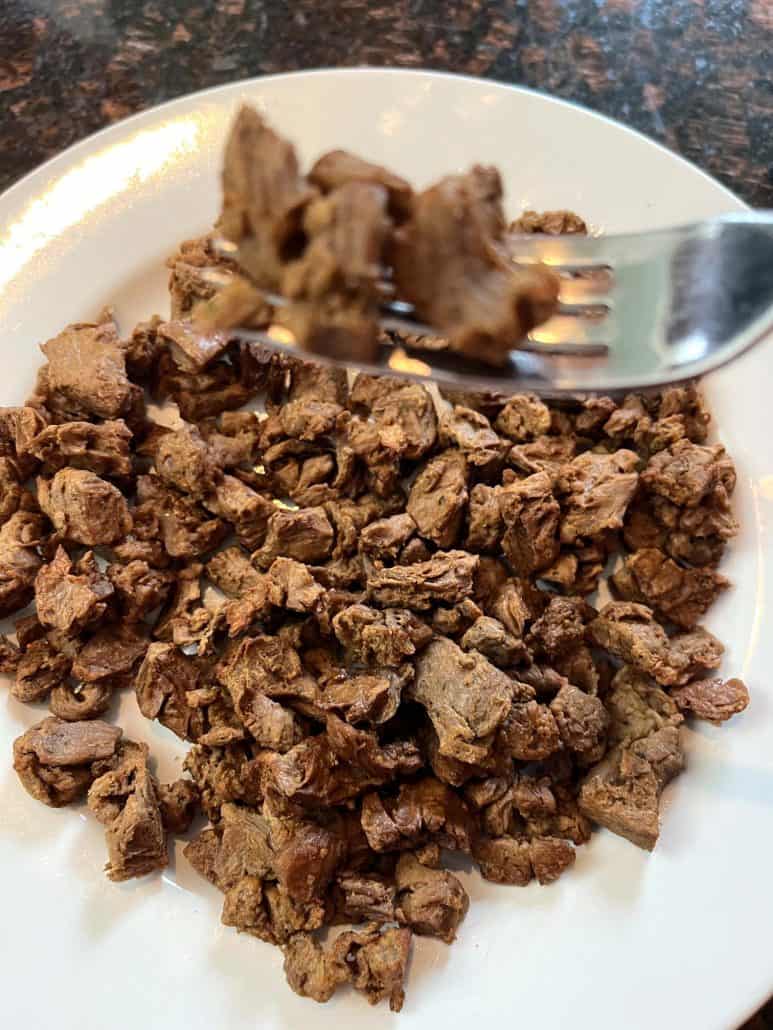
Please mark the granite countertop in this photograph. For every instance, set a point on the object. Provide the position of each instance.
(693, 74)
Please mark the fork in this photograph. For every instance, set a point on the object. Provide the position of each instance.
(636, 312)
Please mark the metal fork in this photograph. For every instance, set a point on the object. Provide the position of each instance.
(637, 312)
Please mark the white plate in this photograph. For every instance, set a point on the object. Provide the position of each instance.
(680, 938)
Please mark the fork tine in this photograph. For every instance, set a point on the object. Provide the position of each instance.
(565, 348)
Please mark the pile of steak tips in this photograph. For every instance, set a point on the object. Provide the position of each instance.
(366, 609)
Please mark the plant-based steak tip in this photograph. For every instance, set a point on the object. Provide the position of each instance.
(367, 610)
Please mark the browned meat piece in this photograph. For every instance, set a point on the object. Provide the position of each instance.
(10, 655)
(19, 560)
(491, 639)
(339, 167)
(453, 622)
(622, 793)
(504, 860)
(465, 696)
(232, 571)
(515, 860)
(510, 604)
(425, 810)
(629, 631)
(552, 223)
(266, 911)
(84, 508)
(18, 427)
(524, 418)
(222, 386)
(582, 723)
(715, 700)
(309, 969)
(183, 460)
(471, 432)
(686, 402)
(307, 418)
(71, 597)
(178, 802)
(448, 263)
(113, 651)
(366, 697)
(491, 575)
(384, 538)
(232, 438)
(403, 413)
(529, 731)
(191, 348)
(85, 702)
(307, 860)
(143, 348)
(485, 526)
(334, 284)
(638, 708)
(446, 577)
(376, 637)
(139, 588)
(163, 685)
(54, 759)
(125, 801)
(291, 586)
(684, 473)
(10, 489)
(333, 768)
(550, 857)
(184, 526)
(39, 670)
(438, 498)
(103, 448)
(202, 853)
(271, 725)
(245, 846)
(680, 594)
(263, 197)
(265, 665)
(404, 421)
(595, 413)
(530, 514)
(247, 510)
(545, 454)
(596, 490)
(561, 628)
(305, 535)
(86, 371)
(361, 897)
(374, 961)
(189, 279)
(431, 901)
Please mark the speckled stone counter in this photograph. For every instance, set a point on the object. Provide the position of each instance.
(695, 74)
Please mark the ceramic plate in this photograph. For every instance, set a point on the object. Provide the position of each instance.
(679, 938)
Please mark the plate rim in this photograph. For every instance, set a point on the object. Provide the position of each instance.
(49, 164)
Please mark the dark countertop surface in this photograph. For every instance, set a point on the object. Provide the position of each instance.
(694, 74)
